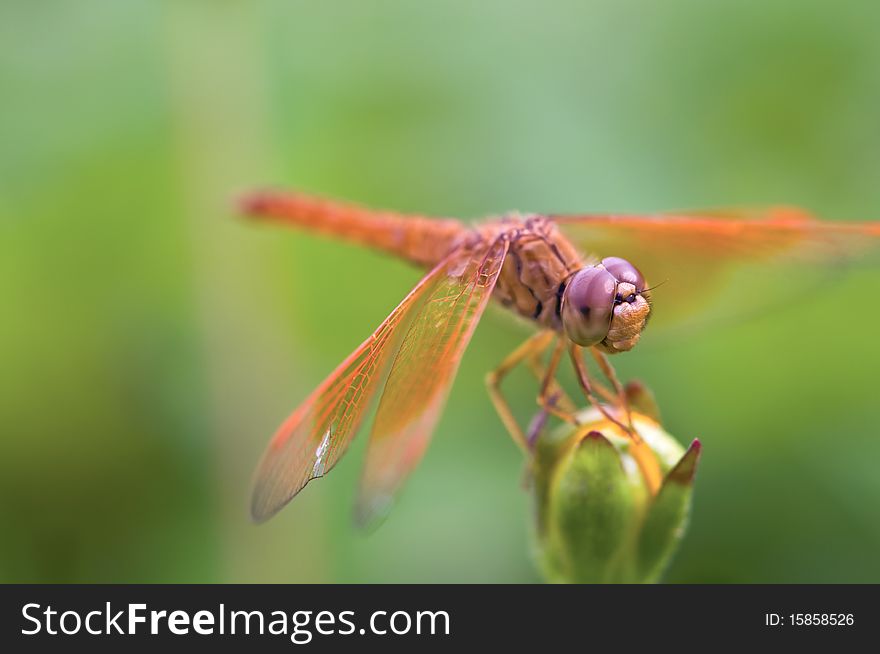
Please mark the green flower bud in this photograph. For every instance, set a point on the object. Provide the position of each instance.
(608, 509)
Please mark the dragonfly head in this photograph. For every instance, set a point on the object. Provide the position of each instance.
(604, 305)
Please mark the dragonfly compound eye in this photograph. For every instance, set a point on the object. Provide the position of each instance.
(604, 306)
(588, 305)
(624, 271)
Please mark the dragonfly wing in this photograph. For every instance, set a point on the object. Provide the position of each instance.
(310, 442)
(421, 377)
(694, 256)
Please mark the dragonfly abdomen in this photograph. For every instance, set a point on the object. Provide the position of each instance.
(421, 240)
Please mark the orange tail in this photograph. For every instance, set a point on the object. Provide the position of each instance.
(418, 239)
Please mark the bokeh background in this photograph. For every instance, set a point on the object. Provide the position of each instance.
(150, 341)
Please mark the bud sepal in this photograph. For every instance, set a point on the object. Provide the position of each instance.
(601, 514)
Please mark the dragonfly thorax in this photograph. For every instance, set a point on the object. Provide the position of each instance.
(538, 263)
(545, 279)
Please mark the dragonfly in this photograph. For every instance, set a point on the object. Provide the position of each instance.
(536, 266)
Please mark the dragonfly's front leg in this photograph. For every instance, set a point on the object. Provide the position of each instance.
(608, 370)
(590, 387)
(639, 449)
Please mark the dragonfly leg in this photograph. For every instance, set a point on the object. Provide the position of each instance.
(608, 370)
(532, 348)
(639, 449)
(551, 398)
(551, 392)
(539, 421)
(588, 385)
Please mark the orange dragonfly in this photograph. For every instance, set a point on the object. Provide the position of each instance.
(532, 265)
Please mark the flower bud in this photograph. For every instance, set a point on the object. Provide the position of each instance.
(609, 509)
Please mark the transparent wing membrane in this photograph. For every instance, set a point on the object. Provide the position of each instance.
(311, 441)
(421, 377)
(716, 266)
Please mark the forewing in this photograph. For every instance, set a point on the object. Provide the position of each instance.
(724, 261)
(310, 442)
(421, 377)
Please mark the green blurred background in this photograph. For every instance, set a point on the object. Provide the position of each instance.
(150, 341)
